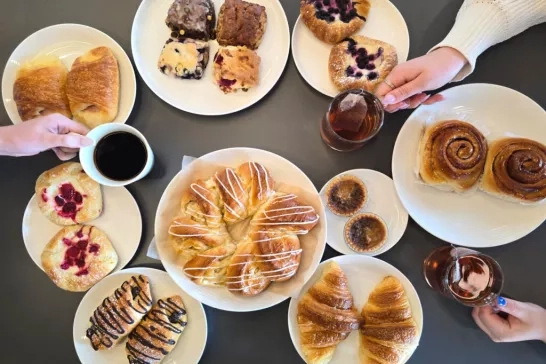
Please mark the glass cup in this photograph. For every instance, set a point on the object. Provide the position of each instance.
(353, 118)
(470, 277)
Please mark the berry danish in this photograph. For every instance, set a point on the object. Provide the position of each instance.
(68, 196)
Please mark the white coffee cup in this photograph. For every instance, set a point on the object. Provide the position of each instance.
(87, 154)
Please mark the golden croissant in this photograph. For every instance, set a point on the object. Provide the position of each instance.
(326, 315)
(388, 333)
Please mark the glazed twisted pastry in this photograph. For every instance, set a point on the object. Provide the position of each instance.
(270, 248)
(453, 155)
(516, 170)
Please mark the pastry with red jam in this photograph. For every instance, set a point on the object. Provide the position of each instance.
(77, 257)
(361, 62)
(67, 195)
(331, 21)
(236, 68)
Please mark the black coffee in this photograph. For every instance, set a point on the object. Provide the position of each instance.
(120, 156)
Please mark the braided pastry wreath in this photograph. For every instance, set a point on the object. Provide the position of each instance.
(270, 249)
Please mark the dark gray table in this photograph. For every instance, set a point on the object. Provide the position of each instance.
(37, 316)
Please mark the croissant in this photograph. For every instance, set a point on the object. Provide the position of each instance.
(120, 313)
(92, 87)
(157, 334)
(389, 333)
(268, 251)
(39, 88)
(326, 315)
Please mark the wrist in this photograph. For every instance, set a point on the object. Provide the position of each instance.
(452, 57)
(6, 142)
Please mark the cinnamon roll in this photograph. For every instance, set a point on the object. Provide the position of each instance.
(516, 170)
(452, 156)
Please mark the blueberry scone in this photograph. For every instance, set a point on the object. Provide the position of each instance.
(334, 20)
(236, 68)
(241, 23)
(192, 18)
(187, 58)
(361, 62)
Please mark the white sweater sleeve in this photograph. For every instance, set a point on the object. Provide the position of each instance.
(481, 24)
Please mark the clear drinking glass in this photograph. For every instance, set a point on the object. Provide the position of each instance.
(469, 277)
(353, 118)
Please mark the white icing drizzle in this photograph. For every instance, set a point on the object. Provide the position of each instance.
(288, 211)
(253, 166)
(231, 192)
(207, 231)
(195, 187)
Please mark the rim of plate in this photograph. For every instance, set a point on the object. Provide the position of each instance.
(142, 270)
(116, 269)
(296, 59)
(387, 246)
(146, 78)
(396, 178)
(406, 283)
(209, 302)
(61, 25)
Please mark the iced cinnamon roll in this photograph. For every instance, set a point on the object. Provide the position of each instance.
(516, 170)
(452, 156)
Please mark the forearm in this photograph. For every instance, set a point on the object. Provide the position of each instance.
(482, 24)
(5, 141)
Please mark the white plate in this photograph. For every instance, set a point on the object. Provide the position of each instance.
(311, 55)
(191, 343)
(478, 220)
(120, 221)
(288, 178)
(202, 97)
(363, 273)
(382, 201)
(68, 42)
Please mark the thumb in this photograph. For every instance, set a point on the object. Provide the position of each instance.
(68, 141)
(511, 307)
(403, 92)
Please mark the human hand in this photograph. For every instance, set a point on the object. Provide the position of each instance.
(412, 78)
(46, 132)
(526, 321)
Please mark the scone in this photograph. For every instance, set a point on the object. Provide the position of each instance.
(334, 20)
(236, 68)
(158, 332)
(77, 257)
(361, 62)
(40, 88)
(192, 18)
(92, 87)
(241, 23)
(67, 195)
(184, 59)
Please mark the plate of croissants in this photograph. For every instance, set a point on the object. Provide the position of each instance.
(356, 309)
(70, 69)
(240, 229)
(479, 178)
(139, 315)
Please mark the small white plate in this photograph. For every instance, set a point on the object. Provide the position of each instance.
(120, 221)
(363, 273)
(288, 178)
(382, 201)
(203, 97)
(191, 343)
(311, 55)
(477, 220)
(68, 42)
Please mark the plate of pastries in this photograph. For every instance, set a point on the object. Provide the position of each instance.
(210, 57)
(340, 45)
(70, 69)
(139, 315)
(78, 231)
(356, 309)
(240, 229)
(472, 170)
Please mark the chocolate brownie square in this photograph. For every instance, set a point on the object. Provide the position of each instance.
(186, 58)
(241, 24)
(192, 19)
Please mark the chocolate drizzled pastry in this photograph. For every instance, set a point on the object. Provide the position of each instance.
(119, 313)
(241, 24)
(346, 195)
(192, 18)
(158, 332)
(366, 233)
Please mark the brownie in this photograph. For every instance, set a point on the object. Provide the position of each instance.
(241, 24)
(184, 59)
(192, 19)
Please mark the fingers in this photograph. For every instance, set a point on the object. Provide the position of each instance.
(397, 107)
(511, 307)
(64, 125)
(481, 325)
(403, 91)
(498, 329)
(63, 155)
(434, 99)
(67, 140)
